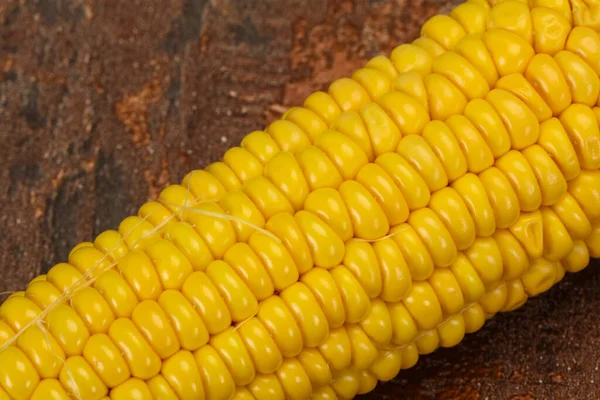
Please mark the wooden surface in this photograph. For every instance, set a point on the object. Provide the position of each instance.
(102, 103)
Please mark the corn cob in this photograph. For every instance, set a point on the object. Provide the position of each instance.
(381, 220)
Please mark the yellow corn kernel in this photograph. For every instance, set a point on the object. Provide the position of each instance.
(346, 384)
(203, 185)
(443, 30)
(582, 127)
(141, 359)
(578, 259)
(495, 298)
(585, 189)
(510, 52)
(364, 352)
(288, 136)
(474, 50)
(188, 242)
(408, 58)
(327, 204)
(225, 175)
(355, 299)
(453, 212)
(153, 323)
(285, 227)
(554, 139)
(557, 242)
(43, 350)
(346, 155)
(239, 206)
(435, 236)
(190, 330)
(429, 45)
(324, 106)
(478, 155)
(560, 6)
(452, 331)
(207, 302)
(573, 217)
(514, 257)
(140, 273)
(468, 279)
(464, 75)
(585, 42)
(472, 192)
(280, 323)
(315, 366)
(593, 241)
(518, 171)
(307, 120)
(359, 259)
(384, 134)
(336, 350)
(583, 82)
(294, 380)
(413, 187)
(550, 29)
(408, 113)
(105, 358)
(383, 64)
(473, 17)
(181, 371)
(131, 389)
(513, 16)
(486, 259)
(525, 90)
(261, 145)
(352, 125)
(242, 163)
(262, 349)
(323, 287)
(368, 381)
(529, 232)
(378, 324)
(19, 382)
(368, 219)
(276, 259)
(326, 248)
(217, 233)
(80, 380)
(266, 387)
(516, 295)
(413, 249)
(445, 99)
(172, 266)
(284, 172)
(540, 277)
(395, 275)
(446, 148)
(448, 290)
(412, 84)
(216, 378)
(309, 316)
(424, 305)
(421, 157)
(47, 389)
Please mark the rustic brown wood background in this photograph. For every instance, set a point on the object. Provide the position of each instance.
(103, 102)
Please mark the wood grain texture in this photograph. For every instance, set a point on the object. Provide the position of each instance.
(104, 102)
